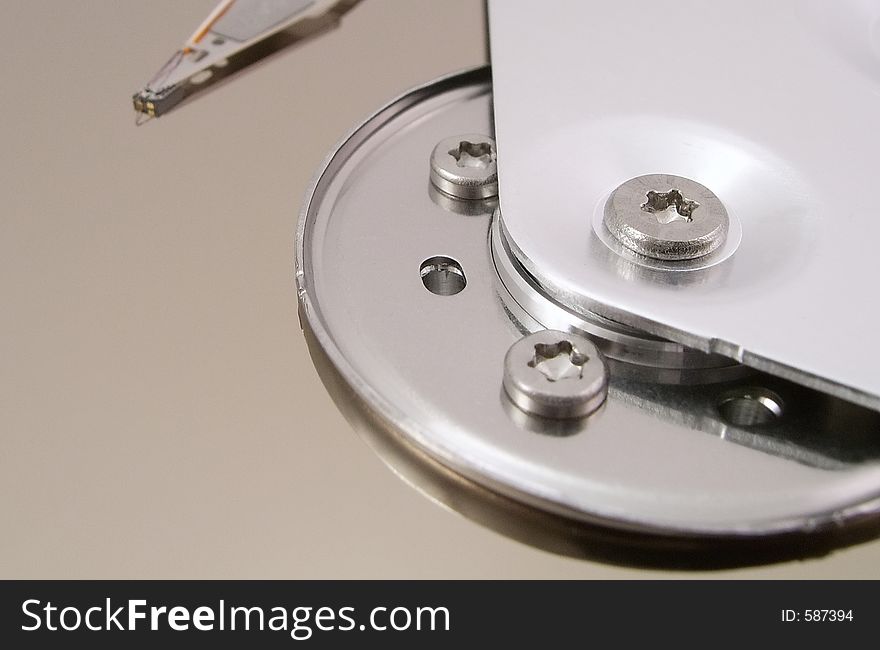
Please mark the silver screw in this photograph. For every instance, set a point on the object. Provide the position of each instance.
(555, 374)
(464, 167)
(666, 217)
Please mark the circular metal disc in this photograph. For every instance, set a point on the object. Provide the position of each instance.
(427, 368)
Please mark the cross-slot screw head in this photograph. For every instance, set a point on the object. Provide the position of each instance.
(555, 374)
(666, 217)
(464, 166)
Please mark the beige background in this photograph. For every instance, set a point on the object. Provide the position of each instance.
(160, 414)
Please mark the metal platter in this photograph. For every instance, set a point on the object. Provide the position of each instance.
(692, 459)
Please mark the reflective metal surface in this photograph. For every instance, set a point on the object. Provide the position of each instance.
(660, 460)
(771, 105)
(649, 357)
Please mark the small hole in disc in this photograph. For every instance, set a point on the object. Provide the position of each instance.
(442, 276)
(751, 407)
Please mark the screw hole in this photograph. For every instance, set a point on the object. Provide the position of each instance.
(442, 276)
(751, 407)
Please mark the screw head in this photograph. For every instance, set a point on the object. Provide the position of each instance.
(465, 166)
(555, 374)
(666, 217)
